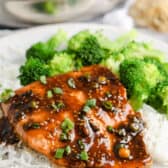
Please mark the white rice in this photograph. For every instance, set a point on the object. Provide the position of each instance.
(19, 156)
(156, 134)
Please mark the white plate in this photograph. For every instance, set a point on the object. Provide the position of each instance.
(24, 11)
(100, 7)
(13, 47)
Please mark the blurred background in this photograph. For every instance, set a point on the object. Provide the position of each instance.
(149, 16)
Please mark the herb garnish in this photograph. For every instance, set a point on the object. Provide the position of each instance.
(6, 94)
(81, 144)
(67, 125)
(67, 150)
(107, 105)
(86, 109)
(57, 90)
(58, 106)
(33, 104)
(43, 80)
(71, 83)
(89, 104)
(59, 153)
(49, 94)
(35, 125)
(84, 156)
(110, 129)
(64, 137)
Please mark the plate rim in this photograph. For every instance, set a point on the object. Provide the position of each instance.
(24, 31)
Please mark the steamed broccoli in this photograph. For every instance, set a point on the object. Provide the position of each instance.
(113, 62)
(62, 62)
(165, 66)
(104, 42)
(133, 49)
(90, 51)
(116, 45)
(139, 77)
(46, 50)
(159, 97)
(76, 41)
(48, 6)
(32, 71)
(87, 48)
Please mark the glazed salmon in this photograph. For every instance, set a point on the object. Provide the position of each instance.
(80, 119)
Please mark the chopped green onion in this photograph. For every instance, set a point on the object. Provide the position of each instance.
(86, 109)
(107, 105)
(71, 83)
(33, 104)
(35, 125)
(81, 144)
(87, 76)
(59, 153)
(63, 136)
(84, 156)
(110, 129)
(67, 150)
(57, 106)
(91, 103)
(6, 94)
(54, 106)
(49, 94)
(43, 80)
(57, 90)
(95, 85)
(67, 125)
(108, 94)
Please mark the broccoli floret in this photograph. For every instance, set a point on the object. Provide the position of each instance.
(165, 66)
(118, 43)
(87, 48)
(90, 51)
(104, 42)
(76, 41)
(133, 49)
(46, 50)
(113, 62)
(159, 97)
(139, 77)
(160, 66)
(32, 71)
(48, 6)
(133, 77)
(62, 62)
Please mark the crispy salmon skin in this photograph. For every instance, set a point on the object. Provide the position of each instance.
(80, 119)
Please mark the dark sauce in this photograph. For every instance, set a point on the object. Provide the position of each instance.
(7, 134)
(22, 105)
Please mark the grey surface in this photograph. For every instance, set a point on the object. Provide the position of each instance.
(8, 20)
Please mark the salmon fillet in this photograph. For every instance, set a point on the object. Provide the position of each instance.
(80, 119)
